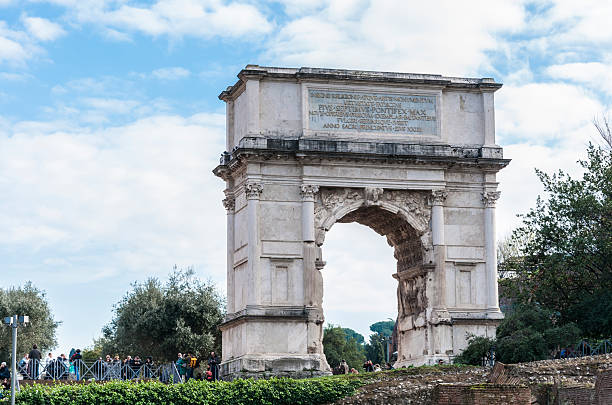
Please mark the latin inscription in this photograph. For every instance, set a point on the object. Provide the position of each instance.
(345, 111)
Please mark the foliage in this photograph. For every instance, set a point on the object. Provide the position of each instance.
(528, 333)
(593, 314)
(337, 347)
(384, 328)
(160, 320)
(94, 352)
(266, 392)
(565, 261)
(27, 300)
(375, 349)
(351, 334)
(477, 350)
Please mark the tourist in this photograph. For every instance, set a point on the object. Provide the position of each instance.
(148, 367)
(76, 361)
(190, 361)
(47, 367)
(209, 374)
(354, 371)
(5, 376)
(180, 366)
(35, 357)
(63, 366)
(344, 368)
(136, 366)
(368, 366)
(377, 368)
(213, 362)
(23, 365)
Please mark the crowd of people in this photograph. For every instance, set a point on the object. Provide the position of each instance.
(368, 366)
(33, 366)
(189, 366)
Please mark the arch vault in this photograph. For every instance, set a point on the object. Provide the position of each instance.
(411, 156)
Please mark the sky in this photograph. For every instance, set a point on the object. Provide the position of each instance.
(110, 126)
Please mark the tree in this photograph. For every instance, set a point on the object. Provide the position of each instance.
(566, 261)
(337, 347)
(384, 328)
(477, 350)
(27, 300)
(375, 349)
(351, 334)
(529, 333)
(161, 320)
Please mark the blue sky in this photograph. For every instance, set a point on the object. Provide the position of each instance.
(110, 126)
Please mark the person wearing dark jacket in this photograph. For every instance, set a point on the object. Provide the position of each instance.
(76, 361)
(35, 357)
(213, 362)
(5, 376)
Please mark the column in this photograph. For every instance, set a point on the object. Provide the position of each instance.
(489, 198)
(438, 197)
(437, 216)
(230, 203)
(253, 192)
(308, 191)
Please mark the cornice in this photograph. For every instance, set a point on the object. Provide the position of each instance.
(256, 72)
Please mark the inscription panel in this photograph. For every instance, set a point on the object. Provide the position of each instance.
(357, 111)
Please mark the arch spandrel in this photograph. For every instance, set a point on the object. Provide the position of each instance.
(339, 204)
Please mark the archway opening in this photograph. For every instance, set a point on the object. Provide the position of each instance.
(361, 275)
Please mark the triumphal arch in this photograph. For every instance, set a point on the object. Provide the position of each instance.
(412, 156)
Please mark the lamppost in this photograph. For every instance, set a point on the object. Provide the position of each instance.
(14, 322)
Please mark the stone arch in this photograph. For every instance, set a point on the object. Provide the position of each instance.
(377, 208)
(403, 217)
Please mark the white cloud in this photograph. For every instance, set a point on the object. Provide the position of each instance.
(43, 29)
(135, 198)
(586, 21)
(448, 37)
(543, 112)
(13, 45)
(170, 73)
(16, 77)
(596, 75)
(173, 18)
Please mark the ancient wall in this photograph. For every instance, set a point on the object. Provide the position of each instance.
(481, 394)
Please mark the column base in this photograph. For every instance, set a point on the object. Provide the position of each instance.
(275, 365)
(426, 360)
(495, 313)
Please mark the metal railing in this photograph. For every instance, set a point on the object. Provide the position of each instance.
(98, 370)
(584, 348)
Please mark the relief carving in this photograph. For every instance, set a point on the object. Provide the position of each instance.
(331, 200)
(411, 296)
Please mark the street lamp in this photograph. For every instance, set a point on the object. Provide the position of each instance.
(14, 322)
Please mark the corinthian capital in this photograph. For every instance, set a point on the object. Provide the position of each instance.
(253, 190)
(438, 197)
(489, 198)
(229, 203)
(308, 191)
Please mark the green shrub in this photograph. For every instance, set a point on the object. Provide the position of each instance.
(265, 392)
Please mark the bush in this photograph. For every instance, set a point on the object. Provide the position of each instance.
(478, 349)
(266, 392)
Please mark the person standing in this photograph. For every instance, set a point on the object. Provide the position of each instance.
(344, 368)
(213, 362)
(35, 357)
(76, 361)
(190, 363)
(180, 366)
(5, 376)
